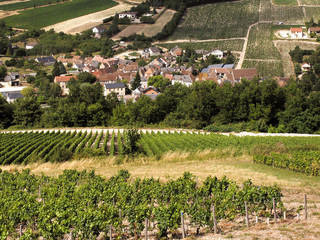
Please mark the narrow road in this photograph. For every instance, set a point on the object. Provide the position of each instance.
(121, 130)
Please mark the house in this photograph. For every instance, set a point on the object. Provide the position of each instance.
(118, 88)
(305, 67)
(46, 61)
(238, 74)
(151, 92)
(296, 32)
(314, 30)
(131, 15)
(12, 76)
(63, 82)
(183, 79)
(217, 53)
(31, 45)
(99, 30)
(11, 96)
(176, 51)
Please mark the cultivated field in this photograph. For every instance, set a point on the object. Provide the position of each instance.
(265, 67)
(221, 20)
(285, 47)
(28, 4)
(152, 29)
(45, 16)
(149, 30)
(79, 24)
(312, 12)
(260, 45)
(224, 45)
(288, 14)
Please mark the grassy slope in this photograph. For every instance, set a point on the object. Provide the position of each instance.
(233, 45)
(222, 20)
(45, 16)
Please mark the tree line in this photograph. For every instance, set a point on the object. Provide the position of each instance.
(250, 105)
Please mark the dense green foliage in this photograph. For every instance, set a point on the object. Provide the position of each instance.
(45, 16)
(305, 162)
(87, 205)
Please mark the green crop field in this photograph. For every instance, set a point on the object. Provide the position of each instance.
(27, 4)
(265, 68)
(45, 16)
(224, 45)
(218, 21)
(286, 2)
(260, 45)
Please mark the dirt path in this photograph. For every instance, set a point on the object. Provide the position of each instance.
(198, 41)
(79, 24)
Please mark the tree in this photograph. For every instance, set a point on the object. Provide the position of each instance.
(62, 69)
(3, 72)
(6, 113)
(27, 111)
(55, 71)
(159, 82)
(136, 82)
(131, 141)
(85, 77)
(27, 92)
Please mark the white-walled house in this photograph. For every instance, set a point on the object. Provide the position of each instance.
(296, 33)
(118, 88)
(183, 79)
(131, 15)
(217, 53)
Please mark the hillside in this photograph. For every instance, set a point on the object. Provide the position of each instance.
(251, 20)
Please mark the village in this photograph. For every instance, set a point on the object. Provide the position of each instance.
(128, 73)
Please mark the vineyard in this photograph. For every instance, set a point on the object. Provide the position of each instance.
(220, 20)
(265, 68)
(59, 146)
(85, 206)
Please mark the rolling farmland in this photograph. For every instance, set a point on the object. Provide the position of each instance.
(45, 16)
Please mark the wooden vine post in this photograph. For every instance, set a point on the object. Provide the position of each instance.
(146, 226)
(110, 232)
(305, 207)
(247, 214)
(182, 226)
(214, 220)
(274, 210)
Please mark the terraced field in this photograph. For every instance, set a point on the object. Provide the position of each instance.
(45, 16)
